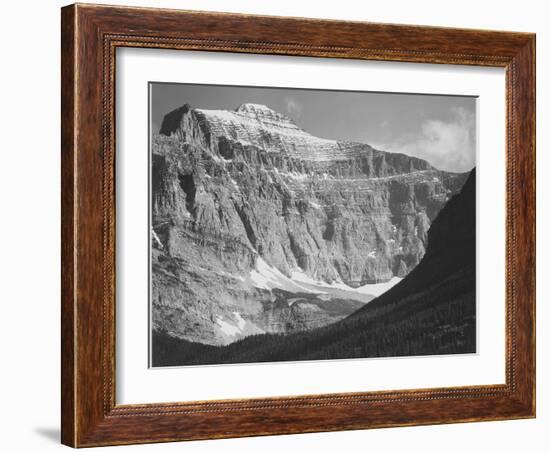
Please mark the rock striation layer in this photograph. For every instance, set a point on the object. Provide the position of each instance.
(259, 226)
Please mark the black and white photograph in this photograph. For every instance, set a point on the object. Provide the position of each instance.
(275, 226)
(298, 224)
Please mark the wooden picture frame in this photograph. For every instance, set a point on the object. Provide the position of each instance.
(90, 36)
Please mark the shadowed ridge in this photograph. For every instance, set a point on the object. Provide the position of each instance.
(451, 246)
(172, 120)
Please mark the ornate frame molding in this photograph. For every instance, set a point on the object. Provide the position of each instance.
(90, 37)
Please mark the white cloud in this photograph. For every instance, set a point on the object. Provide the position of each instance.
(447, 145)
(293, 108)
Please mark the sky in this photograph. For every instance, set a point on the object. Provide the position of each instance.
(437, 128)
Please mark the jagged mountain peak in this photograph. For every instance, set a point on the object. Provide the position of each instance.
(250, 107)
(249, 115)
(262, 113)
(266, 129)
(350, 198)
(252, 117)
(171, 121)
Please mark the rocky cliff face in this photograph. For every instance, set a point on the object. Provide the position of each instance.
(432, 311)
(249, 210)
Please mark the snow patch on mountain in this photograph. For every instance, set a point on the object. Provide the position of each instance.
(227, 328)
(258, 125)
(240, 321)
(368, 289)
(264, 276)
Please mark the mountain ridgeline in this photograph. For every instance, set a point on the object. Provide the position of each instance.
(261, 229)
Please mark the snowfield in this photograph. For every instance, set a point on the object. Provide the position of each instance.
(368, 289)
(227, 328)
(264, 276)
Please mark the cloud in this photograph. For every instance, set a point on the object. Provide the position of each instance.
(293, 108)
(447, 145)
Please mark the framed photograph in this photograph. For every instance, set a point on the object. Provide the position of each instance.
(281, 225)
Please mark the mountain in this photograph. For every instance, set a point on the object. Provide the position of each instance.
(260, 227)
(432, 311)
